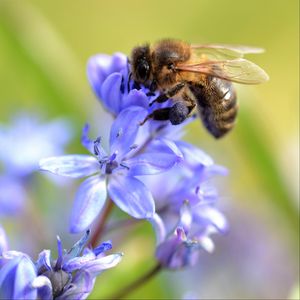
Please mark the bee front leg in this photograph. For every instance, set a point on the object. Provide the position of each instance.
(169, 94)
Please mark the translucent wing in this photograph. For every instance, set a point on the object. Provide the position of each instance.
(222, 52)
(237, 70)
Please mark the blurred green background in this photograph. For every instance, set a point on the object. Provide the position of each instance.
(44, 47)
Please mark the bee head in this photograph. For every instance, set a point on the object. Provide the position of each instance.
(141, 64)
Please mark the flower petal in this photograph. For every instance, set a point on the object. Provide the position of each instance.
(16, 277)
(81, 286)
(132, 196)
(207, 215)
(77, 263)
(124, 130)
(44, 287)
(75, 166)
(44, 260)
(95, 267)
(3, 241)
(111, 93)
(88, 203)
(77, 247)
(193, 155)
(159, 228)
(135, 98)
(103, 247)
(161, 156)
(100, 66)
(12, 195)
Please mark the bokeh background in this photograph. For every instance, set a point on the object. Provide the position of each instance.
(44, 47)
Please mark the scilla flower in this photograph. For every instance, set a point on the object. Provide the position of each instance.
(71, 276)
(186, 213)
(20, 155)
(116, 173)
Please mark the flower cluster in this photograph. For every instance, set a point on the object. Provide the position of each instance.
(147, 172)
(70, 276)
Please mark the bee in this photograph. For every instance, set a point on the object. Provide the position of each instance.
(196, 77)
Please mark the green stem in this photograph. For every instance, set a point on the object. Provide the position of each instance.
(100, 227)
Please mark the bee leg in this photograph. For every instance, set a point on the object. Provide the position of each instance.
(175, 114)
(178, 113)
(169, 94)
(162, 114)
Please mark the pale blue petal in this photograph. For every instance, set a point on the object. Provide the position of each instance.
(207, 215)
(93, 146)
(111, 94)
(160, 157)
(12, 196)
(76, 248)
(159, 228)
(95, 267)
(103, 247)
(124, 130)
(44, 287)
(44, 260)
(88, 203)
(75, 166)
(77, 263)
(101, 66)
(16, 279)
(81, 286)
(186, 217)
(132, 196)
(3, 241)
(135, 98)
(193, 155)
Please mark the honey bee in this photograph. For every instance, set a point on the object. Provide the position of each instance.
(195, 76)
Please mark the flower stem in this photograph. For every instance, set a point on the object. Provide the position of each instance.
(101, 224)
(138, 282)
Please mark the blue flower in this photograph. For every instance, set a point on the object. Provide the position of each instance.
(22, 145)
(27, 140)
(186, 213)
(132, 153)
(3, 241)
(71, 276)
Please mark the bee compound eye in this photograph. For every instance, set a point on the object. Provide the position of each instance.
(143, 70)
(170, 66)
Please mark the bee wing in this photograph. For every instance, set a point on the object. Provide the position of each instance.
(237, 70)
(222, 51)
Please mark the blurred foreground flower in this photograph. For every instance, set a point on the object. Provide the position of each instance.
(70, 276)
(22, 144)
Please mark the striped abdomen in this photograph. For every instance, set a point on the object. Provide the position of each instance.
(217, 106)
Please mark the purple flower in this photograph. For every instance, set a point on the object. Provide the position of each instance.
(3, 241)
(12, 195)
(27, 140)
(186, 213)
(22, 145)
(132, 154)
(71, 276)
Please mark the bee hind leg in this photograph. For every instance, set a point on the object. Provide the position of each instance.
(162, 114)
(169, 94)
(175, 114)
